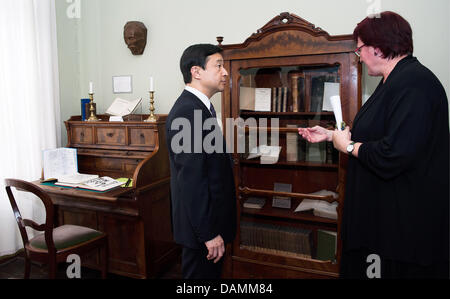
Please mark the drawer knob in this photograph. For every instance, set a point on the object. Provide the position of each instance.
(110, 134)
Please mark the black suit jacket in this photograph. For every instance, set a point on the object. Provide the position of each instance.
(202, 183)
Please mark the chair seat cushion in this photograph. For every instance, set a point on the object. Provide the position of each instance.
(66, 236)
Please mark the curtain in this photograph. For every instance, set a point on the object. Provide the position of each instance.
(29, 104)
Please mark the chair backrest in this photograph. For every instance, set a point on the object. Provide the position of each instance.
(47, 227)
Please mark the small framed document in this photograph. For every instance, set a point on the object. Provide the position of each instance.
(122, 84)
(263, 99)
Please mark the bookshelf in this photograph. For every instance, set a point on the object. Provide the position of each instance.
(301, 66)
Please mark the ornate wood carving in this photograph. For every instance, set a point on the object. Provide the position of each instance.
(288, 35)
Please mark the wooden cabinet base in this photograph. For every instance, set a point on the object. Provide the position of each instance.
(253, 269)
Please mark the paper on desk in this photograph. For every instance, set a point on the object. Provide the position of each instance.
(59, 162)
(336, 104)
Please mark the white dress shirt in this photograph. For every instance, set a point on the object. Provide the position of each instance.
(201, 96)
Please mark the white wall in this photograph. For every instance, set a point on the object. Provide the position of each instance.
(91, 48)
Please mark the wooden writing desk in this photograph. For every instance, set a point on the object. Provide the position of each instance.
(137, 219)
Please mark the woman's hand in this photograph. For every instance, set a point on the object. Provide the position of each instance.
(316, 134)
(341, 139)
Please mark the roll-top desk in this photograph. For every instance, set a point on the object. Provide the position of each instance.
(137, 219)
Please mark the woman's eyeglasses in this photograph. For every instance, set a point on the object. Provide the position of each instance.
(358, 51)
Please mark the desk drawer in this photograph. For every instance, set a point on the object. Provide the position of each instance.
(82, 135)
(111, 136)
(142, 137)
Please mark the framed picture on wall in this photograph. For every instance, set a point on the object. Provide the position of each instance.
(122, 84)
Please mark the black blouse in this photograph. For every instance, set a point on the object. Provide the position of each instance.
(397, 193)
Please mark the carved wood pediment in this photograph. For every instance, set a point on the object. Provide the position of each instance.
(287, 20)
(293, 35)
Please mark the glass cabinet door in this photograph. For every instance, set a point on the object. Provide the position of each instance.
(288, 198)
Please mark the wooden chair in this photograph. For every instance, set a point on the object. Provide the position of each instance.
(55, 244)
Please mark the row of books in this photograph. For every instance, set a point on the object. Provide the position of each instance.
(288, 241)
(277, 237)
(297, 150)
(265, 99)
(284, 99)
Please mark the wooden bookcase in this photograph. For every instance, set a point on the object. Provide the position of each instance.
(294, 59)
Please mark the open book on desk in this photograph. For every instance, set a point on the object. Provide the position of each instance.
(98, 184)
(121, 107)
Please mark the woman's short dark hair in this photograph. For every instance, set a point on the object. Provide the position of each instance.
(389, 32)
(196, 55)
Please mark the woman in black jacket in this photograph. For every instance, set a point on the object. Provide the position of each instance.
(397, 193)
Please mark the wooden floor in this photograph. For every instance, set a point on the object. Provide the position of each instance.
(14, 269)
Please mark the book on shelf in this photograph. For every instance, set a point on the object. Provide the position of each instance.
(320, 208)
(302, 143)
(297, 84)
(283, 202)
(263, 99)
(254, 203)
(278, 100)
(326, 245)
(274, 101)
(61, 164)
(284, 101)
(318, 81)
(267, 154)
(315, 152)
(97, 184)
(292, 145)
(121, 107)
(255, 99)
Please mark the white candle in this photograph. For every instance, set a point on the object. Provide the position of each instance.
(91, 87)
(151, 84)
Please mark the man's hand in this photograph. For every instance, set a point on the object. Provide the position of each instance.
(315, 134)
(216, 248)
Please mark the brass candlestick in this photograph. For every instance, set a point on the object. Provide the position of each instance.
(152, 117)
(92, 116)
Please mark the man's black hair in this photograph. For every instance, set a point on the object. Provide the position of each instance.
(196, 55)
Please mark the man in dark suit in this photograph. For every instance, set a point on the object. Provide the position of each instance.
(202, 183)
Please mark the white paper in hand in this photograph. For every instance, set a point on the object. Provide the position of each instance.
(336, 104)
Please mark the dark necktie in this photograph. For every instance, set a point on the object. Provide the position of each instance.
(213, 111)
